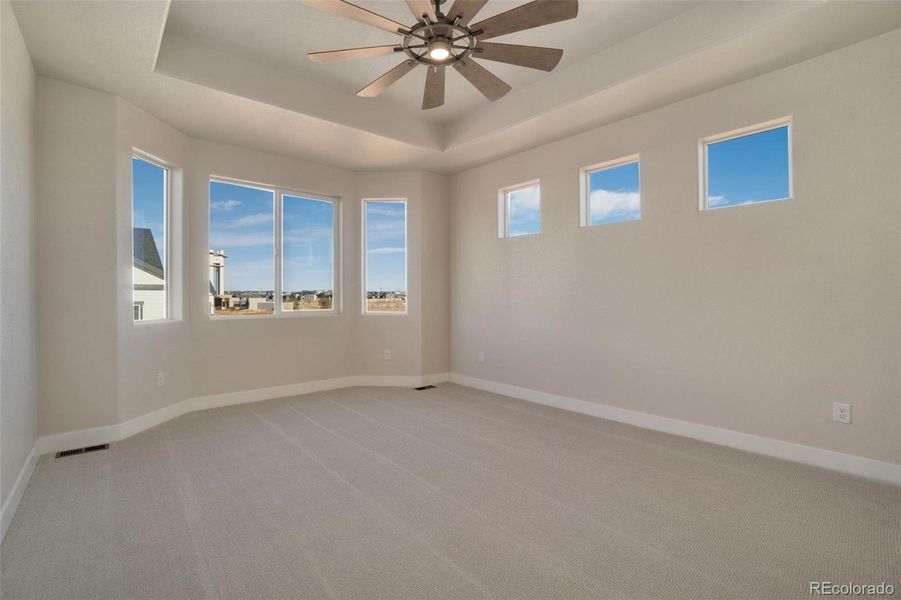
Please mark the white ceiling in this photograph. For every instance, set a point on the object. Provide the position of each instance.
(236, 71)
(281, 33)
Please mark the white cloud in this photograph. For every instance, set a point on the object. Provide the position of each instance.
(304, 235)
(227, 241)
(248, 221)
(526, 199)
(607, 204)
(386, 251)
(714, 201)
(385, 209)
(384, 230)
(225, 204)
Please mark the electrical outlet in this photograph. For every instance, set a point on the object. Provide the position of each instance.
(160, 379)
(841, 412)
(387, 354)
(481, 357)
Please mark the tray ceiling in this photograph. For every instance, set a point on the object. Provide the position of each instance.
(237, 72)
(280, 34)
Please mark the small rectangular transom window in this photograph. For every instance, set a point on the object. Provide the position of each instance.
(611, 192)
(747, 166)
(519, 210)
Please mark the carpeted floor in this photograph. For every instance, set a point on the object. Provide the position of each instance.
(384, 493)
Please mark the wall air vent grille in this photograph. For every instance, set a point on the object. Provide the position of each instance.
(82, 450)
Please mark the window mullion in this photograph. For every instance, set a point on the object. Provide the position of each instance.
(277, 296)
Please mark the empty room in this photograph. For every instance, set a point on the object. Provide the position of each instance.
(450, 299)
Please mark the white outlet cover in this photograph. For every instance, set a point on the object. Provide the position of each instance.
(387, 354)
(841, 412)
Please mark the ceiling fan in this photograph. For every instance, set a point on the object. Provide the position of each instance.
(438, 40)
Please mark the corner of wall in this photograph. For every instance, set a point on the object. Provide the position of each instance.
(18, 321)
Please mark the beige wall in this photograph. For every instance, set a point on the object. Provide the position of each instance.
(100, 368)
(375, 333)
(754, 318)
(76, 219)
(145, 349)
(435, 292)
(18, 377)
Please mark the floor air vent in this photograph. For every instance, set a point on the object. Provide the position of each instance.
(82, 450)
(425, 387)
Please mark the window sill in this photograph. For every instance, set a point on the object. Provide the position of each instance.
(285, 315)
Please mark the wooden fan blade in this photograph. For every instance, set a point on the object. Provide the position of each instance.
(434, 88)
(466, 10)
(330, 56)
(422, 7)
(491, 86)
(527, 16)
(533, 57)
(345, 9)
(381, 84)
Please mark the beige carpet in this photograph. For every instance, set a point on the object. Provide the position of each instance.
(390, 493)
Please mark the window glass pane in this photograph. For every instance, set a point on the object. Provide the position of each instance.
(308, 243)
(386, 256)
(149, 197)
(524, 211)
(613, 194)
(748, 169)
(242, 250)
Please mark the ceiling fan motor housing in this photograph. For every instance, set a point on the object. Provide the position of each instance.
(460, 40)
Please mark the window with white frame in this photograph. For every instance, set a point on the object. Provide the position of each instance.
(519, 210)
(150, 239)
(308, 253)
(385, 256)
(271, 251)
(746, 166)
(611, 192)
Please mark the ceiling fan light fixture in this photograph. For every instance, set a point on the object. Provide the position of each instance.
(439, 50)
(438, 40)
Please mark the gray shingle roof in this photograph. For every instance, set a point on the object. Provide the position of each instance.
(147, 257)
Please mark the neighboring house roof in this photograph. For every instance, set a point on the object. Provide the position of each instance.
(147, 257)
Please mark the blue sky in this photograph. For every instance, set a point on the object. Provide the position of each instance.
(748, 169)
(524, 211)
(242, 224)
(386, 246)
(148, 186)
(308, 244)
(614, 194)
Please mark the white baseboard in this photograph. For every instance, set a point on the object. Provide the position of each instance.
(435, 378)
(120, 431)
(828, 459)
(18, 489)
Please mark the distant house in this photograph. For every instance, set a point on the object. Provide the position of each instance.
(149, 278)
